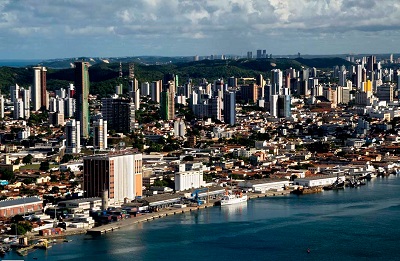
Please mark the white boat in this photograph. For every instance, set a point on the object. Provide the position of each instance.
(233, 199)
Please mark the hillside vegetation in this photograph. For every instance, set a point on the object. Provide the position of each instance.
(104, 76)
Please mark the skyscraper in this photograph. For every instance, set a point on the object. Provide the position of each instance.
(284, 106)
(276, 81)
(167, 104)
(39, 92)
(82, 96)
(119, 114)
(72, 133)
(1, 106)
(18, 109)
(100, 134)
(230, 107)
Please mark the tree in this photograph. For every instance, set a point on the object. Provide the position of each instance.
(20, 228)
(7, 174)
(44, 166)
(27, 159)
(66, 158)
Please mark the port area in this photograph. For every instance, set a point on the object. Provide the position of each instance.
(169, 212)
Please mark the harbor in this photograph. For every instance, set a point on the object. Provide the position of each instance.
(269, 227)
(169, 212)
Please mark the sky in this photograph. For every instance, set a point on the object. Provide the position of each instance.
(46, 29)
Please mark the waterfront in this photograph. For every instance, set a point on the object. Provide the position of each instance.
(353, 224)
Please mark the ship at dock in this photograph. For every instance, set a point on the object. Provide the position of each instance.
(306, 190)
(231, 198)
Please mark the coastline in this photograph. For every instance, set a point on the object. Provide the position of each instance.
(169, 212)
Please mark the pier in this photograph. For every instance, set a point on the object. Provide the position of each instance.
(168, 212)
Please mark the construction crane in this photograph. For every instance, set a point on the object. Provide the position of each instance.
(195, 195)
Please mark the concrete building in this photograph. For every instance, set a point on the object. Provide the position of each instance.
(1, 106)
(82, 86)
(262, 185)
(73, 132)
(189, 179)
(230, 107)
(119, 114)
(39, 92)
(167, 102)
(21, 206)
(322, 180)
(119, 174)
(100, 134)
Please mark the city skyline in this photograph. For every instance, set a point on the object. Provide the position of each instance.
(59, 29)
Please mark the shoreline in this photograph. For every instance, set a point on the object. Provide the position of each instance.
(169, 212)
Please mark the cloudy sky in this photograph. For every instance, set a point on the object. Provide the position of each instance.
(39, 29)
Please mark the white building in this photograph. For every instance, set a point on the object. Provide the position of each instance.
(262, 185)
(189, 179)
(119, 174)
(100, 134)
(179, 129)
(72, 131)
(319, 180)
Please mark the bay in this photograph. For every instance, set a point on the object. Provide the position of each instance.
(353, 224)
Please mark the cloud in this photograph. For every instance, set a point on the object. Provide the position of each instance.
(200, 23)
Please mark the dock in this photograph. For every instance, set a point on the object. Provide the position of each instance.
(169, 212)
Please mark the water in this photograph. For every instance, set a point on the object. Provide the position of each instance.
(18, 63)
(354, 224)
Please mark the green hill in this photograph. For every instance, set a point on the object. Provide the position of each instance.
(104, 76)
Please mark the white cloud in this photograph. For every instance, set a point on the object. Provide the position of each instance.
(263, 22)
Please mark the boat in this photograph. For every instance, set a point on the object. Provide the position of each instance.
(233, 198)
(306, 190)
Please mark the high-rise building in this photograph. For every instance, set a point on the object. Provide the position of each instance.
(284, 102)
(69, 107)
(167, 105)
(1, 107)
(273, 105)
(82, 86)
(249, 55)
(119, 114)
(249, 93)
(230, 107)
(61, 93)
(385, 92)
(73, 139)
(179, 128)
(119, 89)
(145, 89)
(18, 109)
(371, 61)
(276, 80)
(259, 54)
(342, 78)
(39, 92)
(155, 91)
(134, 92)
(14, 92)
(232, 81)
(25, 94)
(119, 174)
(100, 134)
(359, 73)
(215, 108)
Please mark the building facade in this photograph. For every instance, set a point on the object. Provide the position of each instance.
(82, 96)
(119, 174)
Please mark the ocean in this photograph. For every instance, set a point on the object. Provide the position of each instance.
(19, 63)
(352, 224)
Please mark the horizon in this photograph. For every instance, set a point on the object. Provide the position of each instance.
(117, 28)
(201, 56)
